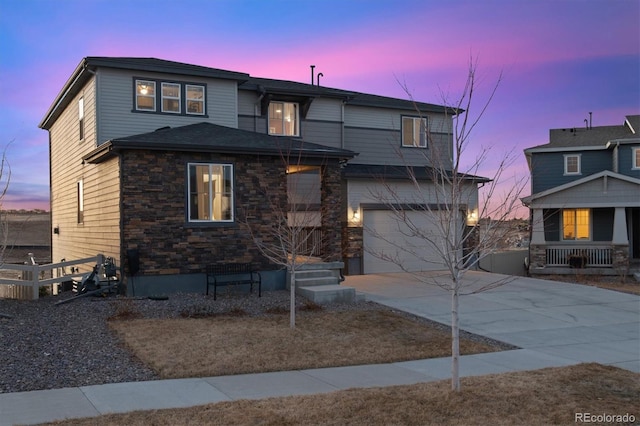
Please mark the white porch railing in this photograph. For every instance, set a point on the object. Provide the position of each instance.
(34, 275)
(594, 256)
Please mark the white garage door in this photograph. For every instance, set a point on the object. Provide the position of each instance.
(384, 223)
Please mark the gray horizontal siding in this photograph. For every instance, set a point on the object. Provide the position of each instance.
(625, 155)
(377, 146)
(115, 105)
(548, 168)
(323, 133)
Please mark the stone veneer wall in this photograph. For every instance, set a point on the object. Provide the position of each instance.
(352, 248)
(331, 210)
(154, 209)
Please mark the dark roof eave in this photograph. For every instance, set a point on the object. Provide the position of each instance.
(114, 147)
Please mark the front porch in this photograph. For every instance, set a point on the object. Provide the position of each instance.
(599, 259)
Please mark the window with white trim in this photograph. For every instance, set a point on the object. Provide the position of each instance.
(81, 117)
(145, 95)
(171, 98)
(195, 99)
(210, 192)
(179, 98)
(80, 194)
(636, 158)
(572, 164)
(576, 224)
(414, 132)
(284, 119)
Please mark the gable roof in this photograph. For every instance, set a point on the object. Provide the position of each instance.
(603, 174)
(208, 137)
(87, 65)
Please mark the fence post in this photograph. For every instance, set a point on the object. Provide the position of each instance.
(35, 282)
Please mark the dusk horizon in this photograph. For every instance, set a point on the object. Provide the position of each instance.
(560, 62)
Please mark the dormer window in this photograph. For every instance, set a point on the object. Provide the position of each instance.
(572, 164)
(414, 132)
(178, 98)
(284, 119)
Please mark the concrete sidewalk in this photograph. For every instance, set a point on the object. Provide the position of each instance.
(555, 324)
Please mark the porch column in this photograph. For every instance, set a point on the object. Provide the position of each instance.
(620, 227)
(537, 228)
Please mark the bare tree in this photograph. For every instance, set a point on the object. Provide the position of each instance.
(292, 237)
(5, 178)
(444, 194)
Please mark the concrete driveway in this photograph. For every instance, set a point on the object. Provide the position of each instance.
(569, 323)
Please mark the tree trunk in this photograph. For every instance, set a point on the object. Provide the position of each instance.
(455, 339)
(292, 306)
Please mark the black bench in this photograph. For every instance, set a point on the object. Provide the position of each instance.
(232, 274)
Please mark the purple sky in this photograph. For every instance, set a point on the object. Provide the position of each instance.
(560, 59)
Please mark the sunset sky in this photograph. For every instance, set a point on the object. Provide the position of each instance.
(559, 59)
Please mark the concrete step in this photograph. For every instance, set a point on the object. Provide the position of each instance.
(322, 294)
(636, 275)
(313, 273)
(316, 281)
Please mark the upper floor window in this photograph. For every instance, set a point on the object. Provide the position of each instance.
(81, 117)
(576, 224)
(171, 97)
(175, 97)
(636, 158)
(284, 119)
(145, 95)
(210, 192)
(195, 99)
(572, 164)
(414, 132)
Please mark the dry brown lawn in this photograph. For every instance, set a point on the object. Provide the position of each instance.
(541, 397)
(625, 284)
(223, 345)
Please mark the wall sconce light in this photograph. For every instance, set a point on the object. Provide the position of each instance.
(356, 215)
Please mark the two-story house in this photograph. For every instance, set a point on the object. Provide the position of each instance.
(160, 161)
(585, 202)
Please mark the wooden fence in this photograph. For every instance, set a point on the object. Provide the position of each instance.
(31, 277)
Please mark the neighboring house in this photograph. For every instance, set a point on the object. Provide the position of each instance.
(585, 202)
(155, 162)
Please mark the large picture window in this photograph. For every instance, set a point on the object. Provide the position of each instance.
(210, 193)
(284, 119)
(414, 132)
(576, 224)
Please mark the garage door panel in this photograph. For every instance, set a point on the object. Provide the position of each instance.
(384, 233)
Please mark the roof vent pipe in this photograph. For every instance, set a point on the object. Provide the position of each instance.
(590, 116)
(312, 67)
(318, 80)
